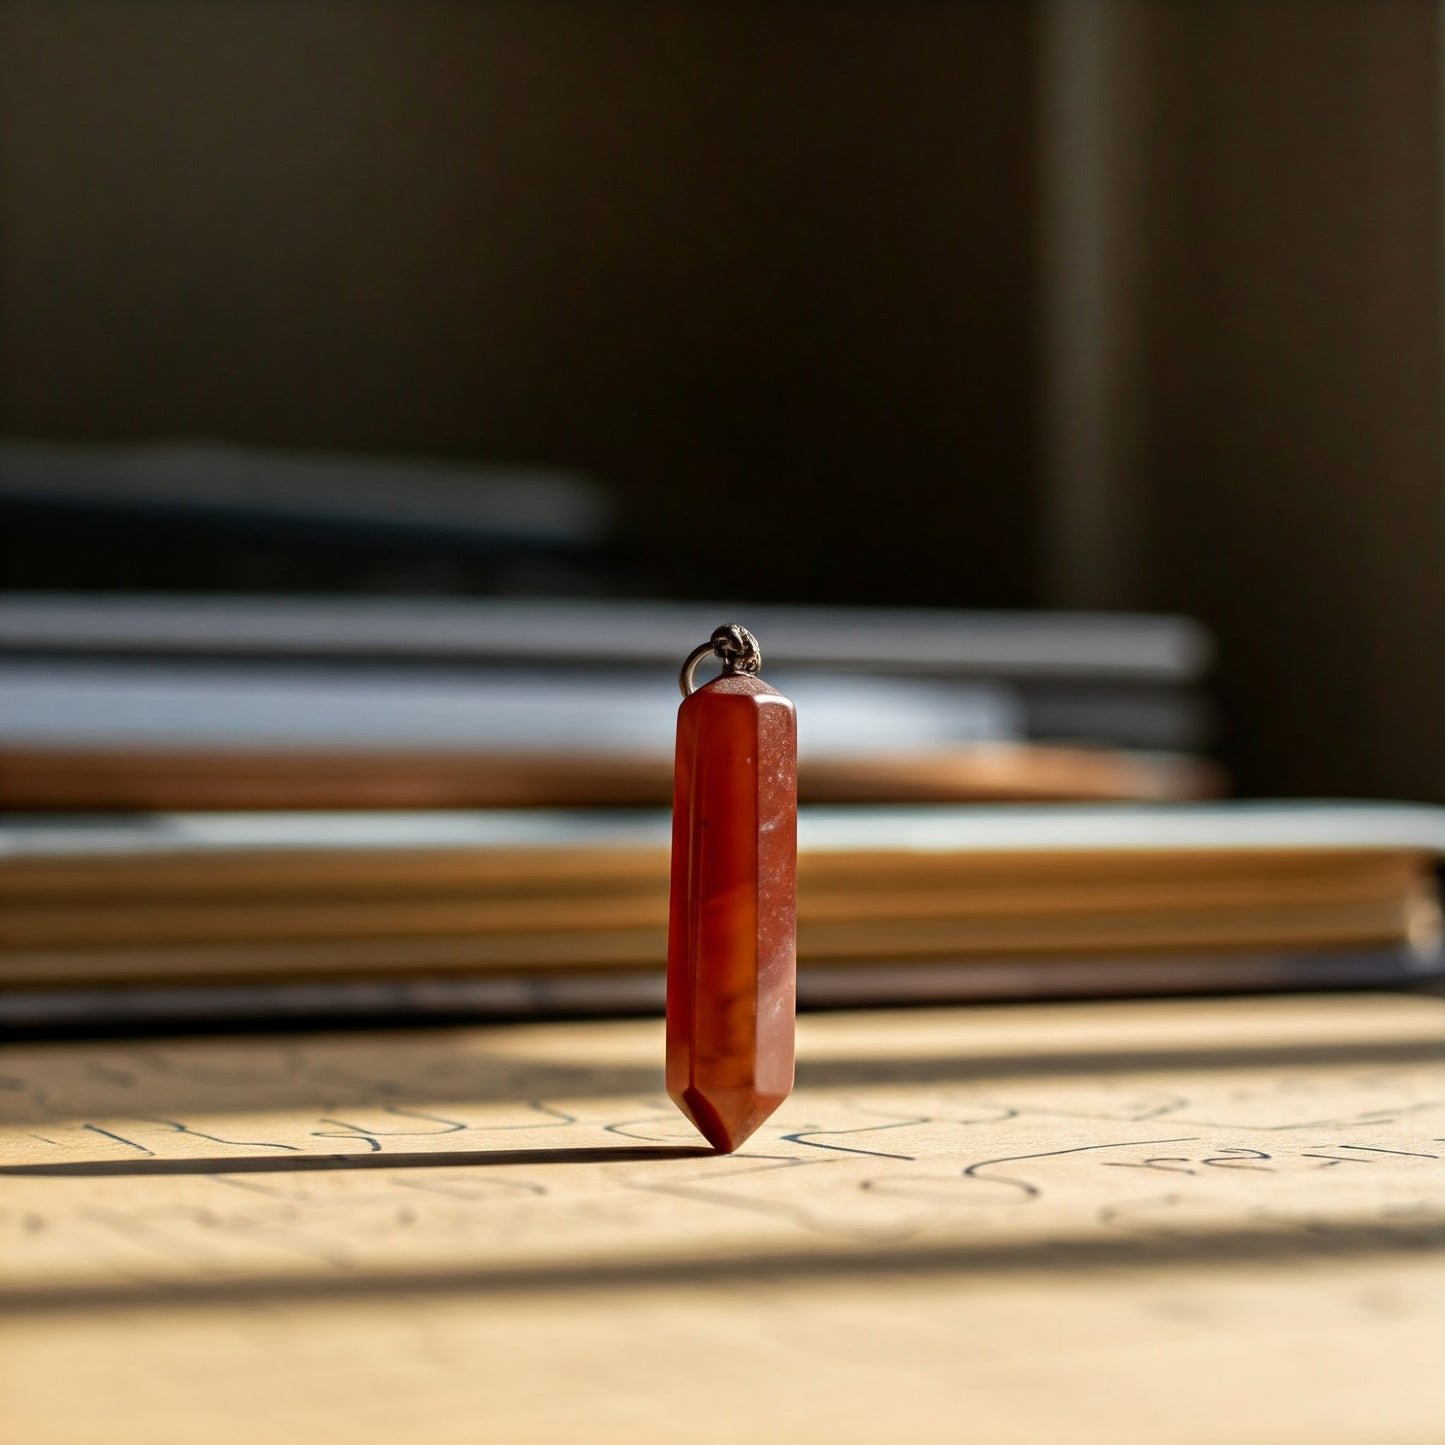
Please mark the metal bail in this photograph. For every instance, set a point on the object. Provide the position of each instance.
(736, 647)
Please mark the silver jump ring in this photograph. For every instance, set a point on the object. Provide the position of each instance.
(736, 647)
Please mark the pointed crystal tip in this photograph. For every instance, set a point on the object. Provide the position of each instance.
(727, 1118)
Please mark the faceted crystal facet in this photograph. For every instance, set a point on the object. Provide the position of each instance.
(731, 939)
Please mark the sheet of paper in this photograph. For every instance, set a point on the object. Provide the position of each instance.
(1080, 1222)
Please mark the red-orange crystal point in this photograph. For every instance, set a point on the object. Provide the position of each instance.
(731, 954)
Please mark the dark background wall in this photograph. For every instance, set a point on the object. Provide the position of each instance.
(1290, 431)
(766, 268)
(849, 300)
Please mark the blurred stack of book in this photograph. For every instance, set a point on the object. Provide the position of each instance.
(270, 808)
(165, 703)
(497, 913)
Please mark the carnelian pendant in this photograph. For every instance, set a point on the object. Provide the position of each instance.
(731, 955)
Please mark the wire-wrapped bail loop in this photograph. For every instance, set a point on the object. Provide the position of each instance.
(735, 646)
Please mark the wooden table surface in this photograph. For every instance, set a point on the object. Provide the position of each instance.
(1156, 1222)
